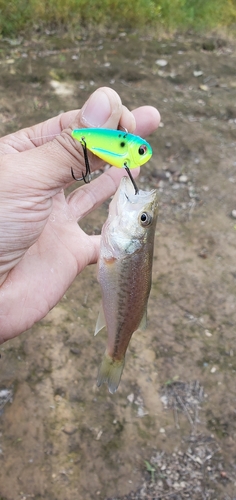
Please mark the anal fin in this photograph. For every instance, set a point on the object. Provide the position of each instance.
(101, 322)
(143, 322)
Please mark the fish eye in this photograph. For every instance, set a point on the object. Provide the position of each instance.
(142, 149)
(145, 219)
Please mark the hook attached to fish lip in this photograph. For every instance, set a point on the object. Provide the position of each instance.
(87, 177)
(127, 168)
(131, 178)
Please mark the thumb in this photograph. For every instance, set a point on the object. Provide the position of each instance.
(48, 167)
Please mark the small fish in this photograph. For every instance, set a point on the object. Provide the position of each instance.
(118, 148)
(124, 274)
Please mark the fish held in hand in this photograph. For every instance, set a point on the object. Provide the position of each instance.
(124, 274)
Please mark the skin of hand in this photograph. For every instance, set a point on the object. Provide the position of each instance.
(42, 245)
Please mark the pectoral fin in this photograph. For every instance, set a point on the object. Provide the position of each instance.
(101, 322)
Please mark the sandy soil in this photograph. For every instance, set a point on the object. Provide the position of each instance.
(170, 430)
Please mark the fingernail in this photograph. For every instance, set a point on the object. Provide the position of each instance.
(96, 110)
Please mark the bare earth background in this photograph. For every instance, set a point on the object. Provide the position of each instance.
(60, 437)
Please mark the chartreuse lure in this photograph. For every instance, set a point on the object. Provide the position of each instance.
(120, 149)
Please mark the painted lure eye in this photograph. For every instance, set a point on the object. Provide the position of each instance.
(142, 149)
(145, 219)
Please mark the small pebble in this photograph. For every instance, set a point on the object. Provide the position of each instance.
(99, 434)
(130, 397)
(69, 429)
(161, 62)
(233, 213)
(213, 370)
(203, 87)
(183, 178)
(141, 412)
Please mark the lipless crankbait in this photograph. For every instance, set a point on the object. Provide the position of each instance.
(120, 149)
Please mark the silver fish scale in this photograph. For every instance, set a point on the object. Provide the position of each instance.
(134, 288)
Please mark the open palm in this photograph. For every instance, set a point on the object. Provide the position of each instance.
(42, 246)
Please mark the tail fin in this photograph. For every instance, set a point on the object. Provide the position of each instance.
(110, 371)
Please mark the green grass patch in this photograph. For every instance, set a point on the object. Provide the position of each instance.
(20, 15)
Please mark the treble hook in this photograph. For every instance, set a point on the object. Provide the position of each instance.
(87, 177)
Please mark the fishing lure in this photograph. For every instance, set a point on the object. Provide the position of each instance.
(120, 149)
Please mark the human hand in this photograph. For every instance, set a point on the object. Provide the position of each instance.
(42, 247)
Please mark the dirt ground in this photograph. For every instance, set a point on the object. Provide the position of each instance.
(170, 430)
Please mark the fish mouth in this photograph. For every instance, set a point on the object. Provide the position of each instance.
(126, 196)
(126, 189)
